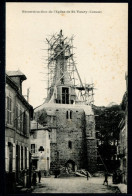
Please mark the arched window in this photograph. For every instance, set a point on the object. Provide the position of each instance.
(66, 114)
(70, 144)
(70, 114)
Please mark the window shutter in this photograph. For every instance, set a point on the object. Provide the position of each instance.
(23, 158)
(10, 104)
(19, 117)
(36, 149)
(27, 158)
(7, 116)
(20, 157)
(10, 111)
(26, 124)
(7, 109)
(14, 157)
(21, 120)
(16, 118)
(7, 102)
(6, 156)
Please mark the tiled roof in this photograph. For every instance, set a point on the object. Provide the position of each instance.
(16, 73)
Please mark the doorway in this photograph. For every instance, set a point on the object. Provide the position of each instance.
(34, 164)
(70, 164)
(10, 152)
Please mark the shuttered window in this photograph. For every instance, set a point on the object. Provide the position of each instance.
(21, 120)
(32, 148)
(25, 123)
(16, 120)
(25, 158)
(9, 110)
(21, 157)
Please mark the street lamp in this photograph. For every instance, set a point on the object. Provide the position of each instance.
(41, 149)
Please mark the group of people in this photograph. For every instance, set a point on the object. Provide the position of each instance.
(34, 179)
(38, 174)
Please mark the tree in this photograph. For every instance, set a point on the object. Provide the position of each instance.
(107, 120)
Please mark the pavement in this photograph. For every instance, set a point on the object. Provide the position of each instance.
(74, 185)
(122, 187)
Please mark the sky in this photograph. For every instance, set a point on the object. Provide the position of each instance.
(100, 39)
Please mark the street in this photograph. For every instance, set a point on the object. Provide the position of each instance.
(73, 185)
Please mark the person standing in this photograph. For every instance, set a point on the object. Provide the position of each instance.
(39, 175)
(106, 178)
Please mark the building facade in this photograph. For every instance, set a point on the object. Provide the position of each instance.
(69, 117)
(17, 132)
(40, 147)
(72, 135)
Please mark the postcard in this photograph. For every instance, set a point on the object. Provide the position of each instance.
(66, 98)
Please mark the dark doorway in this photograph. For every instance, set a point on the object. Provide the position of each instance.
(34, 164)
(65, 95)
(17, 161)
(10, 147)
(70, 144)
(70, 166)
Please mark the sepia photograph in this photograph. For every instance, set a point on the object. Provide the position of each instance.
(66, 101)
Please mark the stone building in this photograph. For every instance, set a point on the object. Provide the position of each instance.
(17, 129)
(72, 136)
(40, 147)
(69, 118)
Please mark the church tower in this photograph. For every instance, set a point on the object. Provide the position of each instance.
(67, 110)
(61, 82)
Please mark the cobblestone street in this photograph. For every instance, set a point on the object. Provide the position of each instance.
(73, 185)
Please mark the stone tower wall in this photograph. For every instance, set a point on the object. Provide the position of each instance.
(79, 129)
(68, 130)
(91, 143)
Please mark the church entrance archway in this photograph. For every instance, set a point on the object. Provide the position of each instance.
(71, 166)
